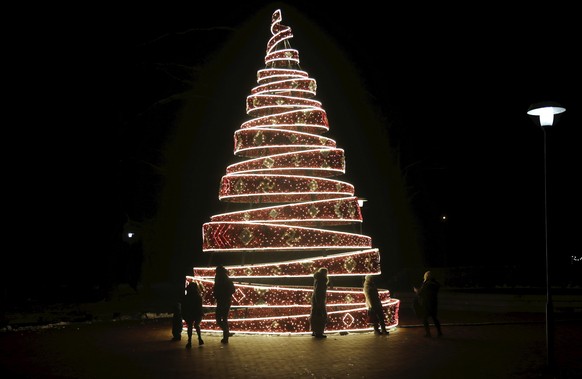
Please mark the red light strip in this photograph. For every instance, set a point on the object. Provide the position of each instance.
(244, 236)
(293, 86)
(263, 295)
(312, 121)
(284, 321)
(263, 188)
(357, 263)
(324, 162)
(253, 142)
(330, 212)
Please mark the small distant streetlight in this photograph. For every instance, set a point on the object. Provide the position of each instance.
(361, 201)
(544, 115)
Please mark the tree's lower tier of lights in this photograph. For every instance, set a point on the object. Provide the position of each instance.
(314, 213)
(357, 263)
(265, 296)
(264, 188)
(257, 142)
(322, 162)
(296, 320)
(244, 236)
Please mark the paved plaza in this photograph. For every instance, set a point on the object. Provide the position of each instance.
(477, 343)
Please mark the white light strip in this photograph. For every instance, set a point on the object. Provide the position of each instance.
(285, 148)
(284, 248)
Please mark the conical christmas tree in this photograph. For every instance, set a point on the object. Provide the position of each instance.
(292, 211)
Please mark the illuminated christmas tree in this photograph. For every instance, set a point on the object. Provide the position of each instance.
(290, 207)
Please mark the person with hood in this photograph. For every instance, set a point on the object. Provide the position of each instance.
(223, 291)
(428, 297)
(318, 316)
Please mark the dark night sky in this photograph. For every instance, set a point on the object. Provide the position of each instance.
(451, 87)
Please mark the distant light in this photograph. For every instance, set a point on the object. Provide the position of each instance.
(130, 234)
(444, 217)
(545, 111)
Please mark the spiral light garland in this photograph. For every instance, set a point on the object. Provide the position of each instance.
(288, 165)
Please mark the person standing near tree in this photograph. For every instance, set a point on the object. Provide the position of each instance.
(428, 297)
(223, 291)
(375, 311)
(318, 316)
(192, 311)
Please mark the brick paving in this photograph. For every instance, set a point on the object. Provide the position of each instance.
(476, 344)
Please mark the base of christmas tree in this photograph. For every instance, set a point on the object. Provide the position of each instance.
(295, 320)
(275, 309)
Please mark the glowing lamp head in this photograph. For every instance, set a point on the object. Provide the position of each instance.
(543, 113)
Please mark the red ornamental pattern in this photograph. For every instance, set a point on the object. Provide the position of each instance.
(323, 162)
(296, 320)
(363, 262)
(311, 121)
(257, 142)
(243, 188)
(288, 87)
(286, 178)
(244, 236)
(261, 295)
(330, 212)
(280, 103)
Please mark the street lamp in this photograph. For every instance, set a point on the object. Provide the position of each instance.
(543, 114)
(361, 201)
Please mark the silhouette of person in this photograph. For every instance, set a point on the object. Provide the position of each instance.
(177, 322)
(192, 311)
(223, 291)
(318, 316)
(375, 311)
(428, 296)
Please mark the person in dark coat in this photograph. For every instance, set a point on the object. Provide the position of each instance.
(318, 316)
(375, 311)
(223, 290)
(192, 311)
(428, 296)
(177, 322)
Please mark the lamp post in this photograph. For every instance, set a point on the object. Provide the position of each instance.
(361, 201)
(543, 115)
